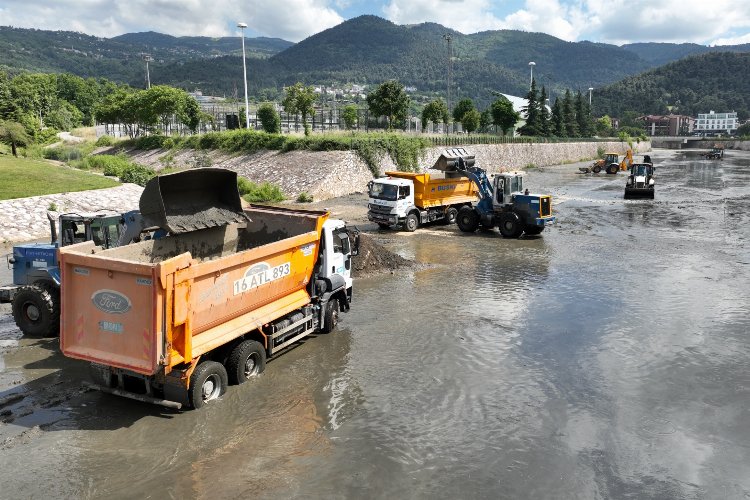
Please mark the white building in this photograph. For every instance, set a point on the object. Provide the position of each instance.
(716, 123)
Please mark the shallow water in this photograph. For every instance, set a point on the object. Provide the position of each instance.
(605, 359)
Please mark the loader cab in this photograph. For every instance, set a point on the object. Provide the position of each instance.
(102, 229)
(506, 184)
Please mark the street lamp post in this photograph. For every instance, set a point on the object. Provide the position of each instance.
(531, 67)
(591, 89)
(242, 27)
(147, 58)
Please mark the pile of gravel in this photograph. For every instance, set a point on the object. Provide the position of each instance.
(373, 258)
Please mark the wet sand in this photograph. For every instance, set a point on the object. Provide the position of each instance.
(606, 358)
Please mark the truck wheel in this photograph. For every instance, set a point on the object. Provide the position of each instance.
(450, 215)
(612, 169)
(383, 225)
(532, 230)
(35, 313)
(596, 169)
(411, 223)
(208, 382)
(467, 219)
(510, 225)
(247, 360)
(331, 317)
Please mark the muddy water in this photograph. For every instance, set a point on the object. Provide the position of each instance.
(605, 359)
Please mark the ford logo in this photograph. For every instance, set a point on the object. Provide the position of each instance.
(111, 302)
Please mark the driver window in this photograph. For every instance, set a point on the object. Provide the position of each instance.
(340, 243)
(403, 192)
(500, 188)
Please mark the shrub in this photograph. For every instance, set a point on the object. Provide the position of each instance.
(264, 192)
(63, 153)
(105, 140)
(137, 174)
(304, 198)
(112, 165)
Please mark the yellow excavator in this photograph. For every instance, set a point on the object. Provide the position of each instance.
(610, 163)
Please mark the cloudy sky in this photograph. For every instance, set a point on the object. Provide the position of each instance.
(718, 22)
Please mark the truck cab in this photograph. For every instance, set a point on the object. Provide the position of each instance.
(391, 200)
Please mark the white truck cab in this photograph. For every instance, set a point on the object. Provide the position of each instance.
(391, 200)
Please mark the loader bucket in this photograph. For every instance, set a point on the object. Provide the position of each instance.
(192, 199)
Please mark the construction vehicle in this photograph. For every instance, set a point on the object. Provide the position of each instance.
(503, 203)
(640, 182)
(610, 164)
(34, 293)
(410, 200)
(716, 153)
(173, 320)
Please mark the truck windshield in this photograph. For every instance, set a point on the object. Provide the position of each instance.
(384, 191)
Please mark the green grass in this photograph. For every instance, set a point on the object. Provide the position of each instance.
(21, 177)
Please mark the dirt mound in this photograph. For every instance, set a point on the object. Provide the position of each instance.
(373, 258)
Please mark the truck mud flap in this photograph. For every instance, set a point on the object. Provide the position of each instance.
(192, 200)
(131, 395)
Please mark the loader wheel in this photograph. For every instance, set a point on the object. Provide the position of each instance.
(510, 225)
(207, 383)
(450, 215)
(467, 219)
(596, 169)
(533, 230)
(612, 169)
(331, 317)
(247, 360)
(411, 223)
(35, 313)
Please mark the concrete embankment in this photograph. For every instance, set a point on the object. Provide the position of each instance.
(330, 174)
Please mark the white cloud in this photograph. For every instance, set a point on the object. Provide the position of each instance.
(289, 19)
(466, 16)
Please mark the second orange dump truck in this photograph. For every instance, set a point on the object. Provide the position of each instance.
(173, 320)
(409, 200)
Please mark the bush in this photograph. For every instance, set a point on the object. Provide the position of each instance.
(63, 153)
(261, 193)
(105, 140)
(137, 174)
(112, 165)
(304, 198)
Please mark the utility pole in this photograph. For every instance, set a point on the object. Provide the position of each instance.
(147, 58)
(449, 38)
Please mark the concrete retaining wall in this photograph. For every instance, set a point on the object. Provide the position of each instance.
(330, 174)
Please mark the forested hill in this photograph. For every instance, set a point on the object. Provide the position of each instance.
(717, 81)
(659, 54)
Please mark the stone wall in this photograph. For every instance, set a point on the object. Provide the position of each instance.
(328, 174)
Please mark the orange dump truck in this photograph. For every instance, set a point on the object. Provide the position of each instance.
(409, 199)
(174, 320)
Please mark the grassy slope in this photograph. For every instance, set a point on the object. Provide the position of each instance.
(21, 177)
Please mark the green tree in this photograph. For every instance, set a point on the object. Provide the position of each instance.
(64, 116)
(569, 116)
(603, 126)
(463, 107)
(470, 121)
(557, 125)
(545, 126)
(269, 118)
(486, 121)
(583, 116)
(189, 112)
(300, 100)
(389, 100)
(532, 125)
(14, 134)
(743, 130)
(503, 115)
(350, 116)
(435, 112)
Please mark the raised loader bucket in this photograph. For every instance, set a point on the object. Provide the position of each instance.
(192, 199)
(448, 160)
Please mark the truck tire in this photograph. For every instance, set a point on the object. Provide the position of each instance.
(467, 219)
(510, 225)
(331, 317)
(207, 383)
(450, 215)
(411, 223)
(612, 169)
(35, 312)
(596, 169)
(247, 360)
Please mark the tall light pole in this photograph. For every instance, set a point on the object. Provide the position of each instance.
(242, 27)
(531, 80)
(448, 38)
(591, 89)
(147, 58)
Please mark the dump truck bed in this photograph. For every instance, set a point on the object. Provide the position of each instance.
(434, 190)
(167, 301)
